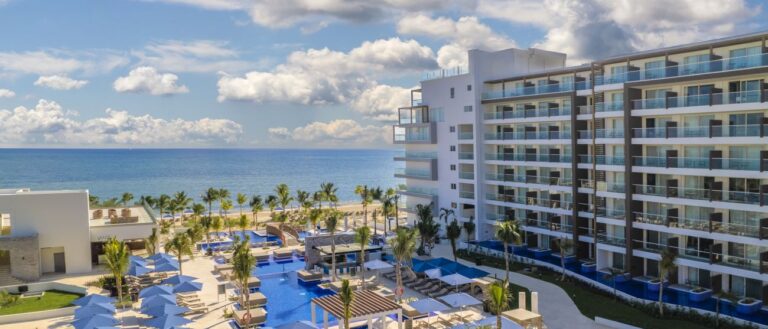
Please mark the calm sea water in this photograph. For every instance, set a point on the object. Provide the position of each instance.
(110, 172)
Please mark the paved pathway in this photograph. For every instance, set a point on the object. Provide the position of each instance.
(558, 309)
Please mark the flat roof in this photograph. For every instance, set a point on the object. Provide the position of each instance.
(26, 190)
(345, 248)
(141, 215)
(364, 303)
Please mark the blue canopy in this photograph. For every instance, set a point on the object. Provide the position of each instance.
(137, 260)
(93, 309)
(157, 301)
(159, 256)
(167, 309)
(167, 260)
(155, 290)
(428, 305)
(421, 267)
(98, 320)
(167, 322)
(137, 269)
(176, 279)
(188, 286)
(93, 298)
(166, 267)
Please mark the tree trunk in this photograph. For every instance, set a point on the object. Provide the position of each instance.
(562, 263)
(180, 263)
(362, 267)
(398, 281)
(247, 293)
(498, 319)
(119, 284)
(333, 256)
(506, 261)
(661, 291)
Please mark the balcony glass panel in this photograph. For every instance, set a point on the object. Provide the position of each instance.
(531, 90)
(528, 157)
(466, 155)
(467, 175)
(528, 113)
(418, 155)
(698, 163)
(412, 172)
(466, 135)
(602, 133)
(743, 97)
(603, 159)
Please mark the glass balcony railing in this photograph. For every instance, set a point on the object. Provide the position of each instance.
(464, 135)
(466, 155)
(699, 194)
(467, 195)
(529, 135)
(422, 136)
(603, 186)
(703, 131)
(529, 157)
(417, 155)
(467, 175)
(611, 239)
(698, 163)
(720, 65)
(528, 91)
(420, 190)
(700, 225)
(700, 100)
(528, 113)
(544, 180)
(445, 73)
(549, 225)
(411, 172)
(602, 107)
(530, 201)
(603, 159)
(602, 133)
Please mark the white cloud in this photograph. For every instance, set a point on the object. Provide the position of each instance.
(51, 62)
(7, 93)
(381, 102)
(462, 34)
(335, 133)
(146, 79)
(197, 56)
(323, 76)
(60, 82)
(48, 123)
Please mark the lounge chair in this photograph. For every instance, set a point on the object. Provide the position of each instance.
(196, 310)
(410, 312)
(441, 292)
(258, 317)
(255, 300)
(432, 290)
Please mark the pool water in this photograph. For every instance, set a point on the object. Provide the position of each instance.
(254, 238)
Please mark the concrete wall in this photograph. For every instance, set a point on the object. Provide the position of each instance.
(312, 256)
(58, 218)
(25, 258)
(121, 231)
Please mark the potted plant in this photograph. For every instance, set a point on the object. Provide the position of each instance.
(653, 284)
(748, 305)
(588, 267)
(699, 294)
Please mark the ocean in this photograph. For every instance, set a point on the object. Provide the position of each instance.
(108, 173)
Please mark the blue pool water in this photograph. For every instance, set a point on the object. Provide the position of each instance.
(255, 238)
(639, 290)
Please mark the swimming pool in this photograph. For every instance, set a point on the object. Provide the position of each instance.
(255, 238)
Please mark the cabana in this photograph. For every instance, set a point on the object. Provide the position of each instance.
(524, 317)
(344, 251)
(258, 317)
(253, 283)
(308, 276)
(366, 305)
(255, 299)
(283, 254)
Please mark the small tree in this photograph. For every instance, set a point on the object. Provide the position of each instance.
(666, 265)
(331, 222)
(564, 245)
(257, 204)
(151, 243)
(363, 237)
(180, 245)
(469, 227)
(127, 197)
(346, 296)
(116, 256)
(403, 247)
(508, 233)
(453, 233)
(499, 299)
(243, 264)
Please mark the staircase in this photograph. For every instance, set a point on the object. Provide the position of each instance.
(6, 279)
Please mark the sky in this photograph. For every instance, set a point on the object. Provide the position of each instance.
(288, 73)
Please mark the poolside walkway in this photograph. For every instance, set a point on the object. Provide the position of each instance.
(555, 305)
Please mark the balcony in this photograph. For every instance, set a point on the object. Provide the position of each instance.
(416, 156)
(719, 65)
(466, 135)
(602, 133)
(711, 226)
(543, 180)
(528, 113)
(611, 240)
(415, 133)
(467, 175)
(751, 198)
(467, 195)
(714, 131)
(555, 226)
(701, 163)
(744, 97)
(466, 155)
(602, 107)
(444, 73)
(424, 174)
(530, 201)
(602, 160)
(602, 186)
(530, 91)
(529, 135)
(555, 158)
(421, 192)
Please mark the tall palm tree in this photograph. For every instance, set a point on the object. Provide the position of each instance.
(195, 233)
(365, 199)
(318, 198)
(127, 197)
(329, 193)
(182, 201)
(284, 197)
(314, 217)
(197, 211)
(243, 264)
(226, 206)
(223, 194)
(305, 203)
(217, 223)
(257, 205)
(666, 265)
(174, 207)
(331, 223)
(242, 223)
(162, 203)
(271, 202)
(453, 232)
(116, 256)
(508, 233)
(426, 225)
(241, 199)
(403, 247)
(387, 210)
(377, 194)
(210, 196)
(564, 245)
(363, 237)
(180, 246)
(499, 299)
(469, 227)
(446, 214)
(346, 296)
(151, 242)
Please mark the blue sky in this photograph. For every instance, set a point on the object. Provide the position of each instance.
(287, 73)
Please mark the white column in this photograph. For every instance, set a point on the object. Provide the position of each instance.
(325, 319)
(535, 302)
(400, 318)
(370, 321)
(314, 315)
(521, 299)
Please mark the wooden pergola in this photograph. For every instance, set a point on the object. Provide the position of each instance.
(366, 305)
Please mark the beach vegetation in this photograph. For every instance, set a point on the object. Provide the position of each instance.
(116, 255)
(180, 245)
(508, 232)
(403, 247)
(363, 237)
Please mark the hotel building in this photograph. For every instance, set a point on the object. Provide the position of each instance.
(623, 156)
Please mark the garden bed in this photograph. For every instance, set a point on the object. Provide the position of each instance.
(52, 299)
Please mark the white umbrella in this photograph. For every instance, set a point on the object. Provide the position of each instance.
(377, 264)
(460, 299)
(456, 279)
(434, 273)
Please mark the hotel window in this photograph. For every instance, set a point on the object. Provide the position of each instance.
(744, 124)
(5, 224)
(655, 99)
(744, 57)
(698, 95)
(469, 87)
(695, 64)
(453, 148)
(452, 129)
(618, 260)
(468, 108)
(618, 74)
(453, 167)
(654, 70)
(453, 186)
(452, 92)
(744, 91)
(740, 286)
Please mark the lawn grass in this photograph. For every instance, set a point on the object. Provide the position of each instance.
(52, 299)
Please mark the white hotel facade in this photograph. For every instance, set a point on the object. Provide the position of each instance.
(624, 156)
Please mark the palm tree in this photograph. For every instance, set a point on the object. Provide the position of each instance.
(180, 245)
(148, 200)
(116, 256)
(365, 200)
(256, 205)
(446, 213)
(195, 233)
(720, 295)
(242, 223)
(453, 232)
(387, 210)
(182, 201)
(151, 242)
(564, 245)
(226, 206)
(223, 194)
(499, 299)
(209, 197)
(93, 200)
(403, 247)
(241, 199)
(666, 265)
(197, 211)
(317, 197)
(329, 193)
(363, 237)
(426, 225)
(346, 296)
(331, 222)
(162, 202)
(469, 227)
(271, 202)
(508, 233)
(284, 197)
(314, 217)
(127, 197)
(165, 227)
(217, 224)
(302, 197)
(243, 264)
(174, 207)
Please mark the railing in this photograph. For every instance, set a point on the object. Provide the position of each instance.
(444, 73)
(466, 135)
(698, 163)
(615, 106)
(529, 157)
(467, 175)
(528, 113)
(528, 91)
(421, 190)
(467, 195)
(754, 130)
(743, 97)
(603, 159)
(604, 212)
(612, 240)
(602, 133)
(549, 225)
(529, 135)
(699, 225)
(418, 155)
(602, 186)
(421, 136)
(699, 194)
(530, 201)
(411, 172)
(720, 65)
(466, 155)
(544, 180)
